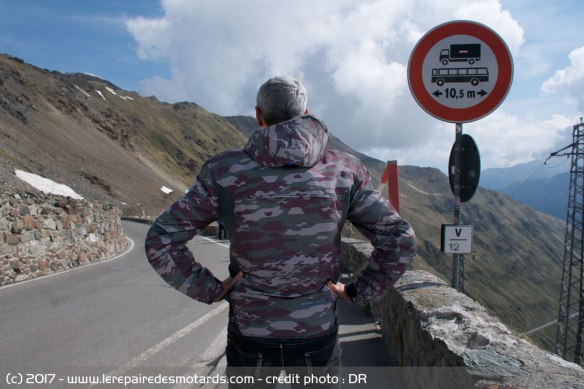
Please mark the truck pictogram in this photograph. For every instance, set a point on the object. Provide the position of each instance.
(469, 52)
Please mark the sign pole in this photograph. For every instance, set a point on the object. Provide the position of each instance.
(456, 261)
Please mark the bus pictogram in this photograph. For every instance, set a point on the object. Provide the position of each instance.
(440, 76)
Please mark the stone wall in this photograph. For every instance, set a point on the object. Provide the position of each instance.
(42, 234)
(440, 336)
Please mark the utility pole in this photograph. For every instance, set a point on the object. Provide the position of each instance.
(570, 329)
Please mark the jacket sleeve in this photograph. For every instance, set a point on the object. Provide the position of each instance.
(166, 244)
(392, 238)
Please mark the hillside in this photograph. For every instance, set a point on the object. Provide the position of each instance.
(516, 266)
(120, 147)
(549, 195)
(106, 143)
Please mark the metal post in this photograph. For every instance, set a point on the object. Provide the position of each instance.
(570, 329)
(456, 261)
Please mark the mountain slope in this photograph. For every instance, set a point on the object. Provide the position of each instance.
(107, 143)
(549, 195)
(120, 147)
(515, 269)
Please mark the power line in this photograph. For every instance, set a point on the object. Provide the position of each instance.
(528, 178)
(539, 168)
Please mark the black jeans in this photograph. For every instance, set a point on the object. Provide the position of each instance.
(307, 362)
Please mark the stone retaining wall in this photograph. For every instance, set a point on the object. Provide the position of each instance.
(441, 336)
(42, 234)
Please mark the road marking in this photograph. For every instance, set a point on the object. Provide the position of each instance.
(214, 241)
(170, 340)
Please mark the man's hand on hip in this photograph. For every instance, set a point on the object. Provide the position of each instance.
(228, 284)
(339, 289)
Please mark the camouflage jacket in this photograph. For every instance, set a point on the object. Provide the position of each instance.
(283, 200)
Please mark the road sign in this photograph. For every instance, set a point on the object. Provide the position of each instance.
(460, 71)
(456, 239)
(469, 169)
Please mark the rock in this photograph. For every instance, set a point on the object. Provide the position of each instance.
(29, 223)
(21, 277)
(15, 264)
(490, 365)
(49, 224)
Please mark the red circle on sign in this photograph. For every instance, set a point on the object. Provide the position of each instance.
(495, 97)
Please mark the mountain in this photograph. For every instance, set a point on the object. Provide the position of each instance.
(120, 147)
(499, 178)
(549, 195)
(107, 143)
(542, 187)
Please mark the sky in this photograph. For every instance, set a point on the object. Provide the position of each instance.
(352, 55)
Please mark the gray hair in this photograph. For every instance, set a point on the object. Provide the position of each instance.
(281, 98)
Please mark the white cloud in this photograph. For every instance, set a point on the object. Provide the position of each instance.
(491, 14)
(505, 139)
(569, 82)
(353, 58)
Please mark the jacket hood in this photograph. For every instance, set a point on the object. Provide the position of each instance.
(302, 141)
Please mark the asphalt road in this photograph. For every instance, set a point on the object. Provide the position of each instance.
(118, 318)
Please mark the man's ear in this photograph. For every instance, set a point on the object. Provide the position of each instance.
(306, 111)
(260, 118)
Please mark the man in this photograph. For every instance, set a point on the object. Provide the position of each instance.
(222, 232)
(283, 199)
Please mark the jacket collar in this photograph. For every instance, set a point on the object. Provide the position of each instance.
(302, 141)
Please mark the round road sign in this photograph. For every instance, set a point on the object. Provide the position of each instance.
(460, 71)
